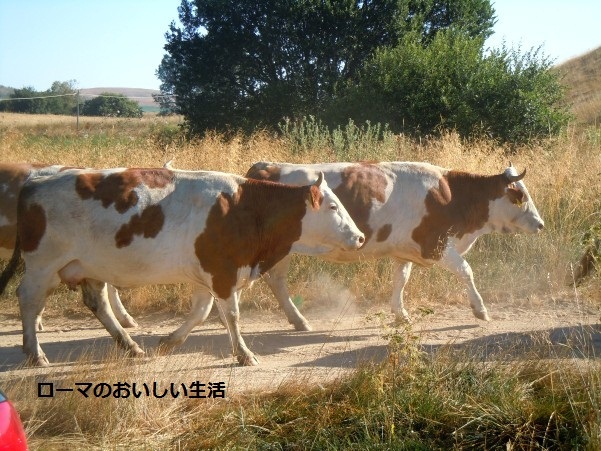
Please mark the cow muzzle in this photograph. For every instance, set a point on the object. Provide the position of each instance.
(356, 242)
(535, 226)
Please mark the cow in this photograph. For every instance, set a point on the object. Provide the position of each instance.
(12, 178)
(415, 213)
(135, 226)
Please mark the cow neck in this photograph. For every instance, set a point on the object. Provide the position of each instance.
(278, 212)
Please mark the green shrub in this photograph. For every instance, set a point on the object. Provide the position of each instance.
(453, 84)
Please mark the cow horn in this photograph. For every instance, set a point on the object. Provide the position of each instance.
(515, 178)
(319, 179)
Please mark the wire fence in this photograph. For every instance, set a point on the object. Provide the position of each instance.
(77, 94)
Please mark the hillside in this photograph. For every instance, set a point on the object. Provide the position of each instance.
(582, 76)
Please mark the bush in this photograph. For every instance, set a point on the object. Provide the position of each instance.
(111, 105)
(453, 84)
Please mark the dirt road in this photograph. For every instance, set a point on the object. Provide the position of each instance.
(339, 342)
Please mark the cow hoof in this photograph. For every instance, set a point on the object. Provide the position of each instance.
(482, 315)
(164, 349)
(40, 361)
(245, 360)
(136, 352)
(168, 344)
(401, 320)
(303, 327)
(128, 322)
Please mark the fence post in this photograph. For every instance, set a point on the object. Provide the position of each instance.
(77, 101)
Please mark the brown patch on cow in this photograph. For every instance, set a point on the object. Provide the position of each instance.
(384, 232)
(256, 226)
(271, 173)
(147, 224)
(12, 177)
(118, 188)
(31, 226)
(361, 185)
(458, 206)
(8, 234)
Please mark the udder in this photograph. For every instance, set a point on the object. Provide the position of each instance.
(72, 274)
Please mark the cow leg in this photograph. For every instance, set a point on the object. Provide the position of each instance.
(202, 301)
(96, 299)
(38, 323)
(401, 276)
(232, 315)
(276, 279)
(32, 299)
(455, 263)
(121, 314)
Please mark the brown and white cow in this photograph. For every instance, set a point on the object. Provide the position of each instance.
(414, 213)
(132, 227)
(12, 178)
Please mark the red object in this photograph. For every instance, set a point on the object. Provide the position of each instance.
(12, 435)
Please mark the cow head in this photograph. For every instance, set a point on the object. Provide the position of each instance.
(326, 224)
(515, 211)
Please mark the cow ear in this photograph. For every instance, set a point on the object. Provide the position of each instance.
(315, 197)
(516, 196)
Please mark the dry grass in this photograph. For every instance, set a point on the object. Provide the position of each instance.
(563, 176)
(582, 76)
(560, 172)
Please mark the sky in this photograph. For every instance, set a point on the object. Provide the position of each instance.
(119, 43)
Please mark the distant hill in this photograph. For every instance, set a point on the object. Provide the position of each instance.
(5, 92)
(582, 76)
(142, 96)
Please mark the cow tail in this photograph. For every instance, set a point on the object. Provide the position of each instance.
(12, 266)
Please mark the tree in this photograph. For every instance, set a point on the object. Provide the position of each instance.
(25, 101)
(249, 62)
(62, 97)
(112, 105)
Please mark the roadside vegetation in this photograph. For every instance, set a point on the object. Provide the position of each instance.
(547, 399)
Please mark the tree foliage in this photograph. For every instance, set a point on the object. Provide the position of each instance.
(59, 99)
(249, 63)
(454, 84)
(414, 64)
(111, 104)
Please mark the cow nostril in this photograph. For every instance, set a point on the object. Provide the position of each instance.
(541, 226)
(361, 239)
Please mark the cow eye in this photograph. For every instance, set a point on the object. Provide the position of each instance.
(333, 207)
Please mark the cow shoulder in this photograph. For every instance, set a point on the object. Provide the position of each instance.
(457, 206)
(253, 227)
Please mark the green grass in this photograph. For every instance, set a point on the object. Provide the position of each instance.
(446, 400)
